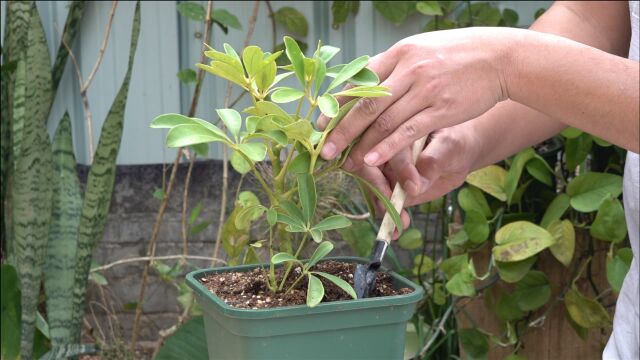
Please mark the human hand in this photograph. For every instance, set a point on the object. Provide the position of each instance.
(436, 79)
(442, 166)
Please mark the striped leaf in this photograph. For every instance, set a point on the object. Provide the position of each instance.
(69, 351)
(97, 198)
(32, 184)
(63, 236)
(71, 26)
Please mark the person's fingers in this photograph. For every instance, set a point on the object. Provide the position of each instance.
(384, 125)
(381, 64)
(360, 117)
(411, 130)
(375, 177)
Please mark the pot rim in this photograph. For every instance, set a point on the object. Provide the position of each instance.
(203, 294)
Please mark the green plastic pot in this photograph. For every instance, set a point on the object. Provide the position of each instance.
(372, 328)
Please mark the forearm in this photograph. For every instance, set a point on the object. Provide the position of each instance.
(510, 127)
(579, 85)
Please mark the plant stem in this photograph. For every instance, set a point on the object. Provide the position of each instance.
(290, 266)
(293, 286)
(299, 107)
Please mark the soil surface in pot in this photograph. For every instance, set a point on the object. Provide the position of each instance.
(248, 290)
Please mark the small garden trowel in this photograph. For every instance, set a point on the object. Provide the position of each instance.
(364, 278)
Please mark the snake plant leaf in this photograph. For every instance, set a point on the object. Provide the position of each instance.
(32, 186)
(71, 26)
(100, 185)
(63, 236)
(69, 351)
(188, 342)
(10, 305)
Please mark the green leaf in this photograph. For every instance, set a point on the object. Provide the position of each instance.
(348, 71)
(510, 17)
(512, 272)
(342, 112)
(225, 71)
(571, 133)
(429, 8)
(533, 291)
(520, 240)
(586, 312)
(601, 142)
(63, 235)
(293, 20)
(395, 11)
(269, 108)
(98, 278)
(461, 284)
(610, 224)
(249, 214)
(286, 94)
(365, 91)
(254, 151)
(454, 265)
(67, 351)
(272, 216)
(589, 190)
(308, 197)
(440, 24)
(471, 198)
(231, 120)
(422, 264)
(32, 188)
(474, 343)
(187, 76)
(252, 59)
(191, 11)
(10, 305)
(540, 170)
(507, 308)
(340, 11)
(195, 213)
(332, 222)
(339, 282)
(410, 239)
(490, 179)
(71, 27)
(239, 163)
(186, 135)
(555, 210)
(225, 18)
(199, 227)
(328, 105)
(618, 267)
(384, 200)
(97, 197)
(576, 150)
(293, 222)
(515, 171)
(168, 121)
(316, 235)
(296, 57)
(300, 164)
(188, 342)
(476, 226)
(327, 52)
(284, 257)
(321, 251)
(565, 236)
(315, 291)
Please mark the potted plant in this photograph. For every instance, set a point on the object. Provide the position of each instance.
(259, 327)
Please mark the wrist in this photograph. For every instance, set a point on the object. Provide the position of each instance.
(509, 60)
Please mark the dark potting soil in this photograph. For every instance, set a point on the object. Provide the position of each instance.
(248, 290)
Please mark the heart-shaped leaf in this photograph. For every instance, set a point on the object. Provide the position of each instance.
(532, 291)
(586, 312)
(555, 210)
(590, 189)
(520, 240)
(565, 236)
(610, 224)
(512, 272)
(491, 180)
(618, 267)
(471, 198)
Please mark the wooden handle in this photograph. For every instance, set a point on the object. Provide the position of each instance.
(397, 197)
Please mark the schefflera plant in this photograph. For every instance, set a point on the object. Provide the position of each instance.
(290, 142)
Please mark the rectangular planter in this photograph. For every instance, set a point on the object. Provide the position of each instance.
(372, 328)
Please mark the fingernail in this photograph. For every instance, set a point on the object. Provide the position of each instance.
(372, 158)
(328, 150)
(348, 165)
(410, 187)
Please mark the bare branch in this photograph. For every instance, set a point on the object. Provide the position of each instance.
(154, 258)
(103, 47)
